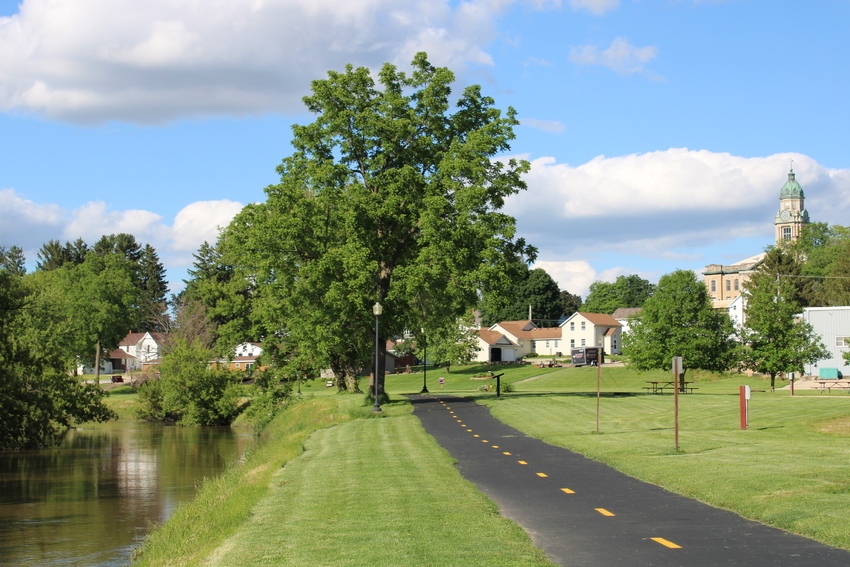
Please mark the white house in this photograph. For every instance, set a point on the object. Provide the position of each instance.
(592, 329)
(134, 350)
(511, 340)
(737, 313)
(623, 316)
(833, 326)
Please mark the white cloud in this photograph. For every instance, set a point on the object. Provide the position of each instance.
(666, 204)
(620, 56)
(576, 276)
(595, 7)
(199, 222)
(30, 225)
(89, 61)
(545, 125)
(27, 224)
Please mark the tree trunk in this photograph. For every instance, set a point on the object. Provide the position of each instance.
(97, 362)
(345, 377)
(772, 381)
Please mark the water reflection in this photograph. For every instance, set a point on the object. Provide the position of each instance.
(91, 500)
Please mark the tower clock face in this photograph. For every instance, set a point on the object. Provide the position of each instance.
(785, 215)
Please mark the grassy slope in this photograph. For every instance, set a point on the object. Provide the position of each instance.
(370, 491)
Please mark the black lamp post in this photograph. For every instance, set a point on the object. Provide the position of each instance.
(377, 309)
(425, 364)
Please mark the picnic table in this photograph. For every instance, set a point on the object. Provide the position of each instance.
(658, 386)
(828, 385)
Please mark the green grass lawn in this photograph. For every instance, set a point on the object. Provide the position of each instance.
(367, 490)
(790, 470)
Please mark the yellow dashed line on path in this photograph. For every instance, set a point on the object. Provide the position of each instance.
(568, 491)
(469, 430)
(604, 512)
(484, 441)
(522, 462)
(473, 435)
(506, 453)
(542, 475)
(495, 446)
(460, 421)
(666, 543)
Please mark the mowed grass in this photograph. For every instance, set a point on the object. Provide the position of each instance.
(791, 469)
(362, 490)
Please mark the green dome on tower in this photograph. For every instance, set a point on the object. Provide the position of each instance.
(791, 189)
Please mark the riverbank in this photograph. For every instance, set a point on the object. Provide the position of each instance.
(365, 490)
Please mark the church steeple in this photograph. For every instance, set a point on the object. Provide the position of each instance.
(792, 215)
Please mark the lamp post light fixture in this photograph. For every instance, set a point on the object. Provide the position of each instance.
(377, 309)
(425, 364)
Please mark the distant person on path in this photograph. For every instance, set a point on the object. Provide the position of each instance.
(442, 381)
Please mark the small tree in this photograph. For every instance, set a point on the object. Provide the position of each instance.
(775, 340)
(189, 391)
(678, 320)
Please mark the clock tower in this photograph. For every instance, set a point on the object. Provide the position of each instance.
(792, 215)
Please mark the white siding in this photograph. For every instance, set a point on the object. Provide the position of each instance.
(832, 324)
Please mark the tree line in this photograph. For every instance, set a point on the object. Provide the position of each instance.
(76, 306)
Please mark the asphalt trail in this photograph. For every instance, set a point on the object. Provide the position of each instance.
(584, 513)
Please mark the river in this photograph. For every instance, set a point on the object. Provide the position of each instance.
(91, 500)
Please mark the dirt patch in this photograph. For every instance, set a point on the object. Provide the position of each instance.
(838, 426)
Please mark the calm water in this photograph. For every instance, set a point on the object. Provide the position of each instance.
(91, 500)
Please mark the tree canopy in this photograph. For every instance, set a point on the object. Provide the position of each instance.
(39, 396)
(388, 197)
(625, 291)
(678, 320)
(775, 340)
(533, 288)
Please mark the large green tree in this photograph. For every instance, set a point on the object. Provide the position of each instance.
(388, 197)
(38, 395)
(678, 320)
(99, 298)
(219, 283)
(775, 340)
(533, 288)
(625, 291)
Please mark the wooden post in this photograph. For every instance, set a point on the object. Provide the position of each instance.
(677, 370)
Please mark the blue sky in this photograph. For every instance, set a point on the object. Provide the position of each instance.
(660, 131)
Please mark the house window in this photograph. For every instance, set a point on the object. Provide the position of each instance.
(614, 343)
(547, 344)
(842, 341)
(556, 344)
(786, 233)
(728, 285)
(248, 366)
(736, 285)
(582, 342)
(572, 343)
(713, 285)
(533, 345)
(582, 325)
(238, 364)
(572, 326)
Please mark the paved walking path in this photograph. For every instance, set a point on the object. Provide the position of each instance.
(583, 513)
